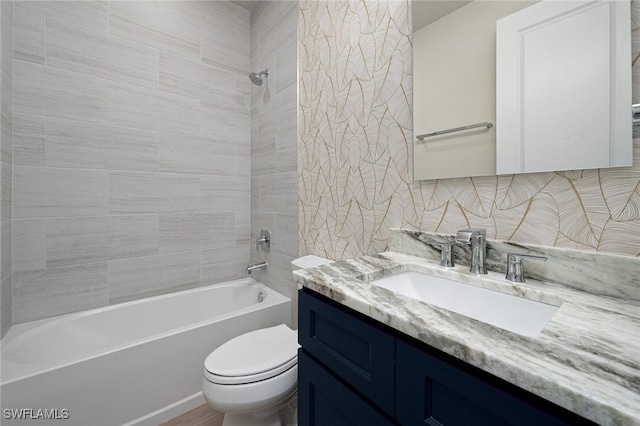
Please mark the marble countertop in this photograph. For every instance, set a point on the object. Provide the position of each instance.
(587, 358)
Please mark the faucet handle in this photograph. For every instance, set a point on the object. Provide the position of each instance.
(515, 266)
(264, 240)
(446, 255)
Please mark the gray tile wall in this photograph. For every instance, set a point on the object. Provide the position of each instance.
(131, 153)
(6, 162)
(274, 176)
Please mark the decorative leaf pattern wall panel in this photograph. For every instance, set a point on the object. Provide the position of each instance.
(355, 154)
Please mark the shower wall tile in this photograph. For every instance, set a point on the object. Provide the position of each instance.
(48, 192)
(190, 154)
(77, 240)
(6, 161)
(80, 240)
(132, 236)
(223, 264)
(56, 291)
(287, 150)
(286, 61)
(243, 228)
(286, 227)
(197, 80)
(141, 108)
(278, 193)
(196, 231)
(29, 134)
(263, 156)
(153, 193)
(243, 91)
(29, 29)
(281, 113)
(226, 38)
(87, 14)
(90, 52)
(77, 144)
(274, 182)
(42, 90)
(132, 150)
(6, 189)
(224, 123)
(165, 25)
(6, 302)
(225, 193)
(5, 248)
(139, 277)
(29, 245)
(243, 159)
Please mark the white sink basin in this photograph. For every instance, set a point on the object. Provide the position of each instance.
(522, 316)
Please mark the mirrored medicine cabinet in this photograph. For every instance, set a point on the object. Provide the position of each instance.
(542, 86)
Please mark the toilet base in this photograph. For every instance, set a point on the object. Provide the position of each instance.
(281, 414)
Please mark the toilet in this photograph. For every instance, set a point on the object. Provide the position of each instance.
(252, 377)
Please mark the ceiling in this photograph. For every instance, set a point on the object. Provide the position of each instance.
(428, 11)
(424, 11)
(247, 4)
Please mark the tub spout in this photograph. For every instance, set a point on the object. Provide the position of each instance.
(257, 267)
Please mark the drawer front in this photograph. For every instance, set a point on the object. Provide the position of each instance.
(323, 400)
(357, 352)
(433, 392)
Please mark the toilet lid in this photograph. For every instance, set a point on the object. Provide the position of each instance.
(254, 353)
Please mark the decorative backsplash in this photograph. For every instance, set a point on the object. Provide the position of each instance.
(355, 154)
(597, 273)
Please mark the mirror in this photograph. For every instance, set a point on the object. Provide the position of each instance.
(455, 86)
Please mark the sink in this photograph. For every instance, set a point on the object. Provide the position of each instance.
(523, 316)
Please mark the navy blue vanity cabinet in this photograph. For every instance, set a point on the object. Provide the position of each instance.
(357, 371)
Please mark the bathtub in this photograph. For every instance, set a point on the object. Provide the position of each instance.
(136, 363)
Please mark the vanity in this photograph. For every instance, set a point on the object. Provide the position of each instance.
(375, 352)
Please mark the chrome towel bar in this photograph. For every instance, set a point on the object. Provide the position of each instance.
(486, 124)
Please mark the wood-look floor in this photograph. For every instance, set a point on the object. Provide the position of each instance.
(199, 416)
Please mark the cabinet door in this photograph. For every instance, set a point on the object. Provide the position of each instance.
(323, 400)
(430, 391)
(359, 353)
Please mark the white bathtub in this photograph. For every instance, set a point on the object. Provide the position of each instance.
(137, 363)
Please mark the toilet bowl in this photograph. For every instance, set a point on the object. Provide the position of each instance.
(253, 377)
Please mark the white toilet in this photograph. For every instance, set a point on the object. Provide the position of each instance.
(252, 377)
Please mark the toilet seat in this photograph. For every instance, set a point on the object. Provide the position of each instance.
(254, 356)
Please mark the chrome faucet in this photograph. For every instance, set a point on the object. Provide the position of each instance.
(477, 239)
(257, 267)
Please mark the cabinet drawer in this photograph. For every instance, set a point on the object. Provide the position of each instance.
(433, 392)
(356, 351)
(325, 401)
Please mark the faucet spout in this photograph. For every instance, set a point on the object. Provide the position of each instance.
(477, 239)
(257, 267)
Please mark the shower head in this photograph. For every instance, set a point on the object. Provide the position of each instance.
(257, 78)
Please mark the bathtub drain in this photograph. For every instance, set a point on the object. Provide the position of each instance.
(261, 297)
